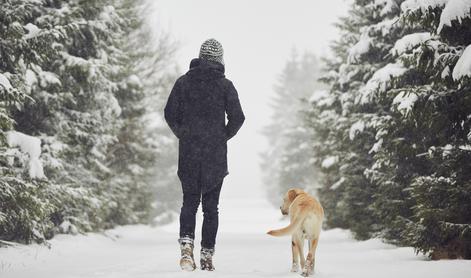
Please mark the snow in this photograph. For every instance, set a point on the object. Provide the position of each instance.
(5, 82)
(454, 10)
(465, 147)
(33, 31)
(387, 6)
(114, 105)
(423, 5)
(355, 129)
(46, 78)
(329, 161)
(30, 145)
(337, 184)
(30, 77)
(322, 98)
(385, 26)
(243, 250)
(410, 41)
(463, 66)
(134, 80)
(405, 102)
(376, 146)
(72, 61)
(380, 81)
(445, 73)
(360, 48)
(346, 72)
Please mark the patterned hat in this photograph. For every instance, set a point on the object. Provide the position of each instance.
(212, 50)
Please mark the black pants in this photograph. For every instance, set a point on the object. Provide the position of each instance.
(210, 201)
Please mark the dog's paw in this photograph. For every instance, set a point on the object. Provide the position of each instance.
(270, 233)
(307, 271)
(295, 268)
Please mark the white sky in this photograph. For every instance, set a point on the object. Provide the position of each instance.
(258, 37)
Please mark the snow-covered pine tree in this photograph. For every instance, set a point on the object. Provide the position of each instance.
(25, 197)
(67, 64)
(436, 104)
(344, 125)
(139, 152)
(287, 162)
(75, 110)
(403, 89)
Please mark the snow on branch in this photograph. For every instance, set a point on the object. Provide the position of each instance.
(408, 42)
(322, 98)
(387, 6)
(337, 184)
(360, 48)
(380, 81)
(30, 145)
(404, 102)
(463, 66)
(423, 5)
(4, 82)
(33, 31)
(329, 162)
(454, 10)
(355, 129)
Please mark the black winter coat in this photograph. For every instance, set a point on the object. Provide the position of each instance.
(196, 113)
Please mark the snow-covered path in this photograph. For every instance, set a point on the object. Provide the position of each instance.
(243, 250)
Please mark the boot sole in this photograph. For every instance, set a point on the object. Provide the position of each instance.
(187, 265)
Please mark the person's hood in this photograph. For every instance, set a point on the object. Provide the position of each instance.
(205, 70)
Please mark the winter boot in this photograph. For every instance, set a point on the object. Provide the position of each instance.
(206, 259)
(187, 261)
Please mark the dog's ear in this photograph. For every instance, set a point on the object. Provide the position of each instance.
(292, 195)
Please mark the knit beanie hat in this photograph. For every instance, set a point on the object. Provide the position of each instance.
(212, 50)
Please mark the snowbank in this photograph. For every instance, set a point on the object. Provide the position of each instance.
(454, 10)
(463, 66)
(30, 145)
(408, 42)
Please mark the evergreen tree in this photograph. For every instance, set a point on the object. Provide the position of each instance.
(400, 95)
(25, 202)
(344, 126)
(70, 75)
(143, 147)
(287, 162)
(436, 104)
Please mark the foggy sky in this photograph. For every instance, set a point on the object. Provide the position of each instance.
(258, 37)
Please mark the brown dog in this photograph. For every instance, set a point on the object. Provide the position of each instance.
(306, 215)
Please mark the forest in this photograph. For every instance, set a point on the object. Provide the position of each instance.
(380, 131)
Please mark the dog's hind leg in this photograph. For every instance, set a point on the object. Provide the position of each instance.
(295, 252)
(300, 245)
(308, 268)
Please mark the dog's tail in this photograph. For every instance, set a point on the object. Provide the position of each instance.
(288, 230)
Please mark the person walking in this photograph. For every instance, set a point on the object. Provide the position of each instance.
(196, 113)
